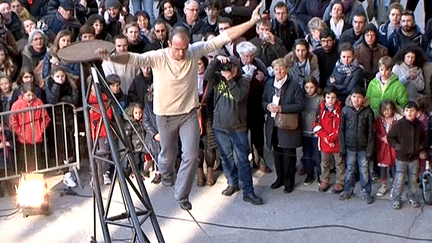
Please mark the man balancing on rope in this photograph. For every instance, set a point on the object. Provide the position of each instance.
(176, 98)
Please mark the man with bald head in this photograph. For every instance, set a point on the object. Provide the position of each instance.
(176, 99)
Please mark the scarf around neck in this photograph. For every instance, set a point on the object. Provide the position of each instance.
(347, 69)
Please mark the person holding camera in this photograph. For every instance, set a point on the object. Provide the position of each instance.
(269, 46)
(229, 124)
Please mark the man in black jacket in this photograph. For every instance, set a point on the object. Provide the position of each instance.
(327, 55)
(408, 138)
(229, 124)
(11, 20)
(283, 27)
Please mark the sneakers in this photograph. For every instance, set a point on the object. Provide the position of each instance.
(168, 181)
(382, 191)
(185, 205)
(396, 205)
(345, 195)
(156, 179)
(252, 198)
(68, 180)
(107, 178)
(414, 203)
(308, 181)
(367, 198)
(338, 188)
(324, 186)
(230, 190)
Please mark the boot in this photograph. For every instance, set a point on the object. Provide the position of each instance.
(201, 177)
(210, 176)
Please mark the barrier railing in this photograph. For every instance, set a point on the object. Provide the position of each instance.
(39, 139)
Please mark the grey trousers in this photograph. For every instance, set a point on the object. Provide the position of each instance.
(186, 128)
(403, 170)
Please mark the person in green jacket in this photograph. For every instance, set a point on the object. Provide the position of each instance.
(386, 85)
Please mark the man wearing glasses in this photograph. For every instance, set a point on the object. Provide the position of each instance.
(327, 55)
(192, 22)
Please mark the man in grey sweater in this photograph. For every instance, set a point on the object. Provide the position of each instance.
(176, 98)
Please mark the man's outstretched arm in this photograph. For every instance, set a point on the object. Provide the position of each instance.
(121, 58)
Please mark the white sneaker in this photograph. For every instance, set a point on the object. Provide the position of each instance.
(107, 179)
(68, 180)
(382, 191)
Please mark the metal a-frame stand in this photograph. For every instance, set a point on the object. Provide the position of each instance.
(116, 136)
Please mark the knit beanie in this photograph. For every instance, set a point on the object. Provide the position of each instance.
(113, 4)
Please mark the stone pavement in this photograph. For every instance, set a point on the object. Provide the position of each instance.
(305, 215)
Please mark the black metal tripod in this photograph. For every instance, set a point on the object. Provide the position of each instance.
(116, 138)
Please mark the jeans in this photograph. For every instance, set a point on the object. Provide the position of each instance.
(352, 159)
(186, 128)
(311, 156)
(402, 170)
(230, 144)
(146, 5)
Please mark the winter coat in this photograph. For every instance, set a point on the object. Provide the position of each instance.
(65, 92)
(356, 129)
(349, 36)
(291, 101)
(386, 154)
(15, 26)
(394, 91)
(138, 89)
(230, 99)
(30, 58)
(96, 117)
(408, 139)
(268, 52)
(368, 57)
(29, 126)
(299, 74)
(398, 40)
(309, 113)
(72, 68)
(415, 86)
(326, 127)
(309, 9)
(383, 36)
(150, 126)
(196, 31)
(56, 23)
(326, 63)
(134, 135)
(7, 102)
(344, 83)
(287, 32)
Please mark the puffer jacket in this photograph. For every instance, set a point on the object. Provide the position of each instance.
(95, 116)
(326, 127)
(394, 91)
(408, 139)
(356, 130)
(230, 99)
(135, 140)
(29, 126)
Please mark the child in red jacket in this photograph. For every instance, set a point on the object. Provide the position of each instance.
(29, 128)
(326, 128)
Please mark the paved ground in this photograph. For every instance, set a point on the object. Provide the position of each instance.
(305, 215)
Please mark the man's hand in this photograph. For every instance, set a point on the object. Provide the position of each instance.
(256, 13)
(423, 155)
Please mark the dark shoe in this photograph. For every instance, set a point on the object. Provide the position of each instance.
(414, 203)
(345, 195)
(338, 188)
(252, 198)
(230, 190)
(308, 181)
(276, 185)
(324, 186)
(288, 190)
(210, 177)
(265, 169)
(368, 199)
(186, 205)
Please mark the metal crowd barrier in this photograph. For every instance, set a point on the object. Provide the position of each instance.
(58, 150)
